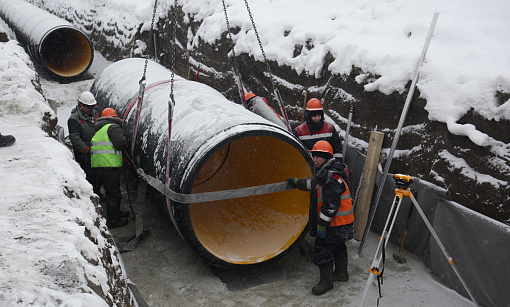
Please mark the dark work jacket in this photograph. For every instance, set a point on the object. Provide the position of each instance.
(115, 132)
(332, 190)
(80, 133)
(326, 133)
(333, 187)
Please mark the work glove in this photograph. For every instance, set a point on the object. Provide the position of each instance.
(321, 231)
(298, 183)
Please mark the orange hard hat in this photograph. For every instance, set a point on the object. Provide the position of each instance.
(322, 146)
(248, 96)
(109, 112)
(314, 104)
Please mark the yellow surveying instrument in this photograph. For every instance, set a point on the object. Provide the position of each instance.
(402, 182)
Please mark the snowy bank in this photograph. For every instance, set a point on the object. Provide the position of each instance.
(56, 249)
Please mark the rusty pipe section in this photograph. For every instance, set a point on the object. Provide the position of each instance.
(215, 145)
(63, 50)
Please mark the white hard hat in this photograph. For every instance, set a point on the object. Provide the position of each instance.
(87, 98)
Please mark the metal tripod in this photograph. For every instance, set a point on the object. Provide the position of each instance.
(403, 182)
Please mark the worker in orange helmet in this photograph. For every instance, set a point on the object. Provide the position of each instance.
(260, 106)
(106, 149)
(335, 217)
(315, 129)
(250, 98)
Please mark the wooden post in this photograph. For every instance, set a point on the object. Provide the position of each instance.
(366, 187)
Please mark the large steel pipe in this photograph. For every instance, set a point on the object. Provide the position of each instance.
(215, 145)
(63, 50)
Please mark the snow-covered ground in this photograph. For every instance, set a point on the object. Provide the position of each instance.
(53, 240)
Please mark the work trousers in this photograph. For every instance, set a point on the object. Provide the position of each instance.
(325, 249)
(109, 178)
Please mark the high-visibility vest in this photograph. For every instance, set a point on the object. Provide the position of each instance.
(344, 215)
(309, 138)
(104, 154)
(324, 133)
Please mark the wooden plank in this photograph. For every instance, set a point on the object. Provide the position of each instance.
(367, 184)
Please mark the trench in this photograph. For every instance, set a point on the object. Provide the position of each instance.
(169, 273)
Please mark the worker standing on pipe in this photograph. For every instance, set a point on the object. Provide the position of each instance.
(315, 129)
(335, 223)
(81, 130)
(106, 149)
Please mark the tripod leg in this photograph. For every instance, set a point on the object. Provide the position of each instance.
(390, 221)
(441, 246)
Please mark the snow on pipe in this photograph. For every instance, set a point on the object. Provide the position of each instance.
(56, 44)
(215, 145)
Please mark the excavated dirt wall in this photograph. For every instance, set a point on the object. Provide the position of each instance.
(426, 140)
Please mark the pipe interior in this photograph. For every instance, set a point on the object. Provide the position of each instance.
(66, 52)
(257, 228)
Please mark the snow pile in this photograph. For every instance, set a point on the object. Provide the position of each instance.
(467, 61)
(16, 74)
(55, 246)
(466, 66)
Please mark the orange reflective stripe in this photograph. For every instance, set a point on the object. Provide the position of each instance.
(345, 206)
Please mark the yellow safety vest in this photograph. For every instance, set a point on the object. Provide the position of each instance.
(104, 154)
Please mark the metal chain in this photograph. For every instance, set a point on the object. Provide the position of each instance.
(234, 61)
(141, 89)
(174, 50)
(260, 44)
(171, 100)
(275, 90)
(152, 35)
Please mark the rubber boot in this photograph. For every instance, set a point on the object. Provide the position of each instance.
(326, 282)
(341, 262)
(113, 218)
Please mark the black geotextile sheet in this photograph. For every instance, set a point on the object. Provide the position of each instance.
(478, 245)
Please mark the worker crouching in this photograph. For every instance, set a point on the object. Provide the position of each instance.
(106, 160)
(335, 221)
